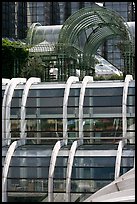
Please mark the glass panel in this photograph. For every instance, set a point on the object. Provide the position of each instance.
(103, 101)
(59, 185)
(46, 92)
(102, 110)
(27, 185)
(93, 173)
(28, 172)
(30, 162)
(51, 110)
(131, 100)
(105, 91)
(16, 102)
(94, 161)
(131, 90)
(51, 102)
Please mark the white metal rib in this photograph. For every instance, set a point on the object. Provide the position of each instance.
(13, 84)
(75, 144)
(27, 86)
(61, 143)
(7, 161)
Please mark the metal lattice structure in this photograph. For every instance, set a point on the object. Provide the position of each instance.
(97, 24)
(74, 45)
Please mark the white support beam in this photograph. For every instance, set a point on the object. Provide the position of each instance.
(75, 144)
(61, 143)
(7, 161)
(4, 105)
(30, 81)
(72, 151)
(118, 159)
(54, 155)
(10, 91)
(71, 79)
(124, 125)
(124, 104)
(86, 80)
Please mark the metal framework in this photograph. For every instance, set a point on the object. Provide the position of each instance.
(76, 144)
(102, 24)
(87, 79)
(61, 143)
(7, 104)
(7, 82)
(20, 142)
(78, 40)
(28, 84)
(124, 125)
(7, 161)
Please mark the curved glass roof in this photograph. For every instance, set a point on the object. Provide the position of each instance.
(41, 33)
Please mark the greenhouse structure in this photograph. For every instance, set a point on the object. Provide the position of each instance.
(71, 139)
(65, 140)
(70, 49)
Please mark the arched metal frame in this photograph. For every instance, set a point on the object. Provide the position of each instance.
(86, 80)
(105, 23)
(61, 143)
(4, 105)
(27, 86)
(97, 24)
(76, 144)
(124, 126)
(69, 82)
(7, 161)
(20, 142)
(124, 104)
(93, 17)
(7, 104)
(31, 32)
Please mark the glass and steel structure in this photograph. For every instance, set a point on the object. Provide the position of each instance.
(63, 141)
(71, 47)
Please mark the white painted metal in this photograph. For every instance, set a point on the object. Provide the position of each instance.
(30, 81)
(75, 144)
(71, 79)
(69, 170)
(59, 144)
(7, 161)
(3, 107)
(81, 101)
(54, 155)
(118, 159)
(124, 125)
(124, 104)
(5, 81)
(10, 92)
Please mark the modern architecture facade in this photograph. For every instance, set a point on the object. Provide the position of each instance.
(73, 139)
(65, 141)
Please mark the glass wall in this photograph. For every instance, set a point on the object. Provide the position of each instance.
(102, 113)
(94, 160)
(93, 168)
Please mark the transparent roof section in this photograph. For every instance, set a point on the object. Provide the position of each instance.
(44, 33)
